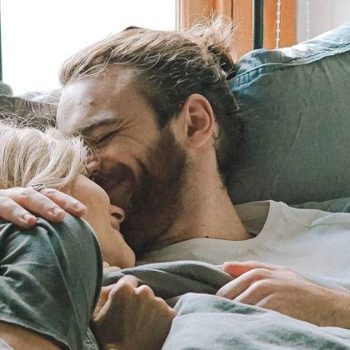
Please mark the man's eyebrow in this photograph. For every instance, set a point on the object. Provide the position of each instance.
(96, 122)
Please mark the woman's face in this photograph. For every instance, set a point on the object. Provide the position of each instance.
(105, 220)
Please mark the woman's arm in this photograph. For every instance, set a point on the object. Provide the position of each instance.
(49, 282)
(20, 338)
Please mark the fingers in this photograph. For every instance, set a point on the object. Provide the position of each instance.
(109, 268)
(14, 213)
(64, 201)
(239, 285)
(18, 204)
(102, 300)
(144, 292)
(156, 305)
(128, 288)
(236, 269)
(128, 280)
(37, 203)
(255, 293)
(123, 291)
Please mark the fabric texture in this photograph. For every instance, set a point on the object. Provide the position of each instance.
(50, 279)
(337, 205)
(304, 240)
(206, 322)
(28, 112)
(295, 106)
(5, 89)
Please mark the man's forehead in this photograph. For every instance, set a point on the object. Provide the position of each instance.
(85, 105)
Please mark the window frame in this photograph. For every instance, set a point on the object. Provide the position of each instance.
(241, 12)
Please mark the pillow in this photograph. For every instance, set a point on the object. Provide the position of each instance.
(338, 205)
(295, 103)
(5, 89)
(28, 112)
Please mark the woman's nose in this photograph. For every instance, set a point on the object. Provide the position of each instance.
(118, 213)
(92, 166)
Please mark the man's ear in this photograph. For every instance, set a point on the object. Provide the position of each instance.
(197, 121)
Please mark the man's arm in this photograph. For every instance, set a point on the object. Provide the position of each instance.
(18, 205)
(280, 289)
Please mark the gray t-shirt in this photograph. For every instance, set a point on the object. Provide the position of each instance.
(50, 279)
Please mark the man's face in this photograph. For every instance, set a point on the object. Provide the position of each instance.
(140, 167)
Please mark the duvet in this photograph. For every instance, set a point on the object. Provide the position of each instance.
(208, 322)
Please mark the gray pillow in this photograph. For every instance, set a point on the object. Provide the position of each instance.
(27, 112)
(338, 205)
(295, 104)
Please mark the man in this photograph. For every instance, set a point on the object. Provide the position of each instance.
(157, 109)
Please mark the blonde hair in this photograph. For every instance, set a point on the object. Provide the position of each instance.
(29, 156)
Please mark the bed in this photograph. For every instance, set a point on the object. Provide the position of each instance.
(295, 106)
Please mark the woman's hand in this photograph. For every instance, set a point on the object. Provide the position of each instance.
(128, 317)
(18, 204)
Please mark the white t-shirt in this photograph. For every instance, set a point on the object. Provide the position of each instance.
(314, 243)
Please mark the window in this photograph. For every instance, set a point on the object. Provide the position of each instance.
(318, 16)
(285, 22)
(38, 35)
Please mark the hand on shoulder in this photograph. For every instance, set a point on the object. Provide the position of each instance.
(18, 205)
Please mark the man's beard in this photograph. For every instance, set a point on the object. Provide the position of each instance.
(156, 202)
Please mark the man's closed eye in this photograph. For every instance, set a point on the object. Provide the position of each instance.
(106, 138)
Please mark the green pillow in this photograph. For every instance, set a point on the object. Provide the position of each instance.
(338, 205)
(295, 104)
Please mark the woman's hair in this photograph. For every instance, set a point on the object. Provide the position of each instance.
(29, 156)
(169, 66)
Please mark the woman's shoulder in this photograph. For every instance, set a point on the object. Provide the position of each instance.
(71, 228)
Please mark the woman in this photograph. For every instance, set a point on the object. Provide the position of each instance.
(51, 275)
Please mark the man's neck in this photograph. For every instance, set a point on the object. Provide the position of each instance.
(206, 211)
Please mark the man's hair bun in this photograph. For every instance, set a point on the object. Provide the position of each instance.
(217, 39)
